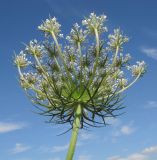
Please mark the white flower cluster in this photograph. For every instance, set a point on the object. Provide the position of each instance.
(95, 22)
(138, 69)
(117, 39)
(34, 48)
(121, 59)
(21, 60)
(28, 79)
(76, 35)
(123, 82)
(50, 25)
(88, 71)
(127, 58)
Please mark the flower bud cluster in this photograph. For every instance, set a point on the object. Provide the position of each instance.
(21, 60)
(28, 79)
(123, 82)
(49, 26)
(77, 35)
(95, 22)
(122, 60)
(34, 48)
(138, 69)
(117, 39)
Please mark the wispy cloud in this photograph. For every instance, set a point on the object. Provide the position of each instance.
(24, 159)
(151, 104)
(84, 157)
(150, 52)
(127, 130)
(86, 136)
(124, 130)
(8, 127)
(56, 158)
(143, 155)
(114, 158)
(150, 150)
(19, 148)
(60, 148)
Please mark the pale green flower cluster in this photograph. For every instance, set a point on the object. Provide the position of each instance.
(28, 79)
(21, 60)
(84, 70)
(34, 48)
(50, 25)
(95, 23)
(139, 68)
(77, 35)
(117, 39)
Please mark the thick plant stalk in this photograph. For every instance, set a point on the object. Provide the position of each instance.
(76, 126)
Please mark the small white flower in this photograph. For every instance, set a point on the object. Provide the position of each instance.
(21, 60)
(61, 36)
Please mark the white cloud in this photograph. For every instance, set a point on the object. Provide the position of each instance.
(114, 158)
(123, 130)
(55, 149)
(8, 127)
(136, 156)
(56, 158)
(84, 157)
(151, 104)
(24, 159)
(127, 130)
(60, 148)
(86, 136)
(143, 155)
(19, 148)
(151, 52)
(150, 150)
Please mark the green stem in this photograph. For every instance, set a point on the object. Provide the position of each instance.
(76, 126)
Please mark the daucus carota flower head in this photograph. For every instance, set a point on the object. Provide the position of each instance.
(117, 39)
(77, 35)
(138, 69)
(92, 75)
(95, 22)
(50, 25)
(21, 60)
(34, 48)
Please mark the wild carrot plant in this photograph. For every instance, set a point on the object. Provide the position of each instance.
(80, 81)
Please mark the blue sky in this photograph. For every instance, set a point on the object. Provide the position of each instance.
(24, 135)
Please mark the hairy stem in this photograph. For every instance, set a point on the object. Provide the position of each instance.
(76, 126)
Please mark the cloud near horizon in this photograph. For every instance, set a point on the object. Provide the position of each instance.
(10, 126)
(145, 154)
(19, 148)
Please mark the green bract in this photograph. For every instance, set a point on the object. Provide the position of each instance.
(79, 82)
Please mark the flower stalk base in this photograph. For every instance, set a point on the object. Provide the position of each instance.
(76, 126)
